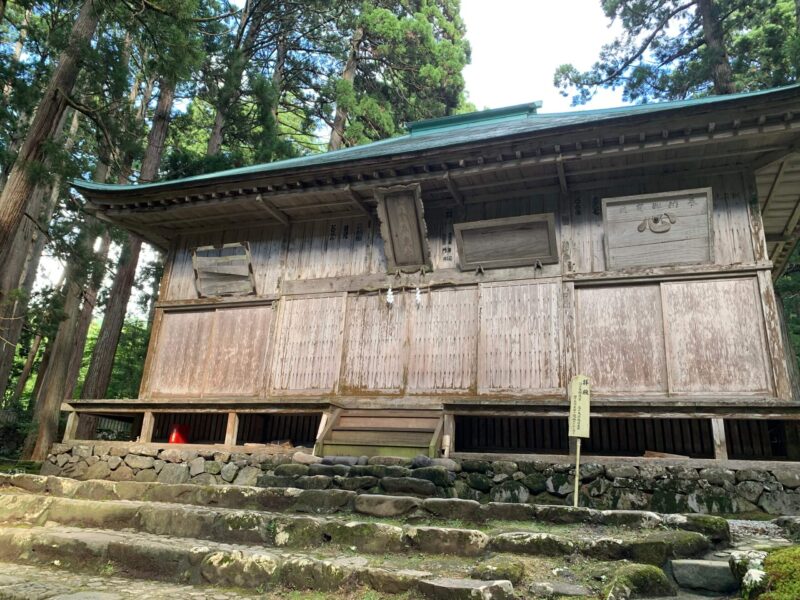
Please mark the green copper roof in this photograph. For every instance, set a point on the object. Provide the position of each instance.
(451, 131)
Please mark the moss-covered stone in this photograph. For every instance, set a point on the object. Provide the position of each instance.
(716, 528)
(439, 476)
(509, 491)
(291, 470)
(535, 482)
(638, 581)
(499, 568)
(479, 481)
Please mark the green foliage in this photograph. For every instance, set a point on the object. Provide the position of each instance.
(663, 52)
(410, 63)
(783, 574)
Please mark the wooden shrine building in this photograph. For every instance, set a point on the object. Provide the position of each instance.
(435, 292)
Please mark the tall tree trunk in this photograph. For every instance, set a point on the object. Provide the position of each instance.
(249, 27)
(348, 75)
(714, 36)
(99, 374)
(22, 380)
(277, 76)
(19, 186)
(54, 379)
(87, 310)
(19, 271)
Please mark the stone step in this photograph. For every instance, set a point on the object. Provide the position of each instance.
(296, 531)
(706, 575)
(344, 501)
(193, 561)
(25, 582)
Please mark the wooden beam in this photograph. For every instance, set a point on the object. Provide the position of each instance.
(278, 215)
(453, 189)
(73, 420)
(562, 176)
(358, 201)
(720, 444)
(232, 429)
(776, 182)
(148, 422)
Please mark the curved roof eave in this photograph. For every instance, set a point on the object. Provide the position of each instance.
(431, 139)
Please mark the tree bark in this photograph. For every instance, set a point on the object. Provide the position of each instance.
(19, 186)
(246, 35)
(22, 380)
(277, 76)
(54, 379)
(714, 36)
(19, 272)
(348, 75)
(99, 374)
(87, 310)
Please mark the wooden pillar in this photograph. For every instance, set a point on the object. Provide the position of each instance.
(448, 435)
(73, 420)
(148, 421)
(720, 444)
(232, 430)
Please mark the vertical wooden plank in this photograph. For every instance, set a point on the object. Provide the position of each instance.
(145, 390)
(443, 341)
(73, 420)
(520, 337)
(778, 352)
(716, 329)
(148, 422)
(236, 363)
(620, 338)
(308, 345)
(232, 429)
(375, 337)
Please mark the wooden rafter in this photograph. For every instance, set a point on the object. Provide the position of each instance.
(358, 201)
(453, 189)
(277, 214)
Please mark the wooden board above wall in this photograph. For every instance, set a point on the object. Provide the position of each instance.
(662, 229)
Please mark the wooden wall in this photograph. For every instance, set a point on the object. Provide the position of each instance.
(657, 336)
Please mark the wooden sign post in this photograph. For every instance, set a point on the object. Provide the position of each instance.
(578, 422)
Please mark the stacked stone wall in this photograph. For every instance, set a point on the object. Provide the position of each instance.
(646, 486)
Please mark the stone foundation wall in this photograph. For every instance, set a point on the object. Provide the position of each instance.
(666, 489)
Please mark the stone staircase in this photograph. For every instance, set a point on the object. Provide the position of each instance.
(337, 541)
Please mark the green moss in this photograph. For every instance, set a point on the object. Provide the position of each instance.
(638, 581)
(783, 574)
(716, 528)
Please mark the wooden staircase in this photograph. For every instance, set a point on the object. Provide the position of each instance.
(381, 432)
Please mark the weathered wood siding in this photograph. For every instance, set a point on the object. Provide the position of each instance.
(375, 344)
(477, 334)
(211, 353)
(521, 332)
(715, 336)
(621, 338)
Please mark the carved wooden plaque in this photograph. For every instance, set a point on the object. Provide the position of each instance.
(403, 228)
(223, 270)
(655, 230)
(508, 242)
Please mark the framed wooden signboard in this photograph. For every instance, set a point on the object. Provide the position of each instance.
(403, 228)
(507, 242)
(655, 230)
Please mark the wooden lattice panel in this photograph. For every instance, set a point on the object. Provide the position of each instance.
(521, 335)
(375, 343)
(308, 345)
(443, 342)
